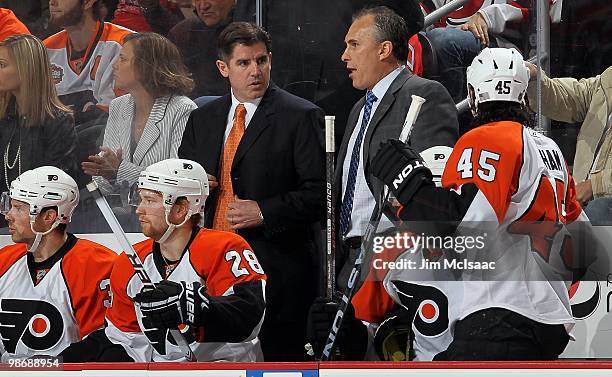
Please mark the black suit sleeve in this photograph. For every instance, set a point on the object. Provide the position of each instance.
(188, 147)
(437, 122)
(304, 204)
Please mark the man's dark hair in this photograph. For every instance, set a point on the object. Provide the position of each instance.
(244, 33)
(389, 26)
(409, 10)
(496, 111)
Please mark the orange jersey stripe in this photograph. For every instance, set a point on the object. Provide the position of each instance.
(87, 268)
(9, 255)
(492, 163)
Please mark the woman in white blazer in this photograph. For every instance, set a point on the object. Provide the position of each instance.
(146, 125)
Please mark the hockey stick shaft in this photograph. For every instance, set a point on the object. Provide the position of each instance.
(330, 255)
(134, 259)
(368, 237)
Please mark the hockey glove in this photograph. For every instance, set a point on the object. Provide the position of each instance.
(171, 304)
(393, 337)
(352, 337)
(401, 168)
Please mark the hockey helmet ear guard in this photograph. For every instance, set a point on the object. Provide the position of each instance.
(497, 74)
(175, 178)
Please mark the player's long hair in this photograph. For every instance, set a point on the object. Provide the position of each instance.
(37, 95)
(159, 66)
(496, 111)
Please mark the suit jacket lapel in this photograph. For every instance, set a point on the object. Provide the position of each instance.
(385, 104)
(257, 124)
(351, 123)
(214, 133)
(151, 132)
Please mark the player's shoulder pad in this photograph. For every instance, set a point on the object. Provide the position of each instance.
(143, 248)
(88, 257)
(11, 254)
(506, 135)
(211, 239)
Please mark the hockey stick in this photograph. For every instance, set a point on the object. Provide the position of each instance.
(134, 259)
(330, 261)
(368, 237)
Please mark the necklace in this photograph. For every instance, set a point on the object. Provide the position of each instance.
(169, 265)
(8, 166)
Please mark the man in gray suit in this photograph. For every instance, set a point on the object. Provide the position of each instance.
(376, 50)
(375, 54)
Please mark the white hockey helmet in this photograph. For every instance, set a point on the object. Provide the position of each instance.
(497, 74)
(44, 187)
(174, 178)
(435, 159)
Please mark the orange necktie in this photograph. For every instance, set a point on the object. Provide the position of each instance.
(226, 193)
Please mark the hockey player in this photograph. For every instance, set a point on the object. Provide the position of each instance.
(504, 174)
(54, 287)
(209, 282)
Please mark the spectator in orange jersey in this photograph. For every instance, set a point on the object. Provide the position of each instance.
(81, 57)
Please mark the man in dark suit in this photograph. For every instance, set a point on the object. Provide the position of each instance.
(375, 54)
(262, 147)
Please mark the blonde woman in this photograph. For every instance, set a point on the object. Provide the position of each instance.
(36, 129)
(146, 125)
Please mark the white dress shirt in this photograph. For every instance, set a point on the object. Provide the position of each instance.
(363, 201)
(250, 107)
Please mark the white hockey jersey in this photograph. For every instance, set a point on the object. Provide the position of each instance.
(86, 82)
(223, 262)
(525, 198)
(67, 304)
(526, 191)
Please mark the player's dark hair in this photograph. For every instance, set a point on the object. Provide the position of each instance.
(244, 33)
(496, 111)
(389, 26)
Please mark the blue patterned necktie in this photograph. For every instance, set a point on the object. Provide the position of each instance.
(347, 201)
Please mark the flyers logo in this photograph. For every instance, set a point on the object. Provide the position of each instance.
(427, 305)
(38, 324)
(583, 304)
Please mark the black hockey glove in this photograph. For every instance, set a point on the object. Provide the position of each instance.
(352, 338)
(393, 337)
(401, 168)
(171, 304)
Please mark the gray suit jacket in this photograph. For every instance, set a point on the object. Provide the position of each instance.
(435, 125)
(160, 138)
